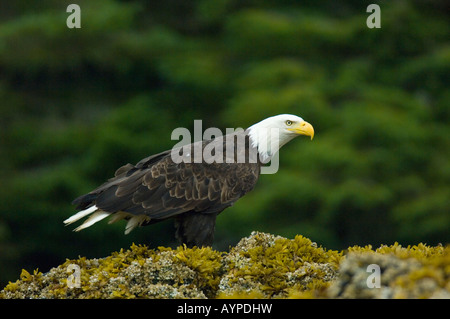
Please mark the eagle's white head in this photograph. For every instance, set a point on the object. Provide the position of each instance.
(269, 135)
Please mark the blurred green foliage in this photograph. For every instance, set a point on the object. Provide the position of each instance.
(78, 103)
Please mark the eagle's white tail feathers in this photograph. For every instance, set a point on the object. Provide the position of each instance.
(135, 221)
(80, 215)
(95, 217)
(117, 216)
(98, 215)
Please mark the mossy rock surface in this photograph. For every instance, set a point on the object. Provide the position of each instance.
(259, 266)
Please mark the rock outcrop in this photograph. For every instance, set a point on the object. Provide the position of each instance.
(259, 266)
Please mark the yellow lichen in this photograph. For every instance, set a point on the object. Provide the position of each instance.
(276, 266)
(206, 262)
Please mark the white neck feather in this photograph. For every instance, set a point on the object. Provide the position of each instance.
(267, 139)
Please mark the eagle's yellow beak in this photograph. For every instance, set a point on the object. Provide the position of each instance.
(303, 128)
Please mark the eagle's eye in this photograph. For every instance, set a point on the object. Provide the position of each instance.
(288, 122)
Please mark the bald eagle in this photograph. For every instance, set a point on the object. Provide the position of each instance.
(172, 185)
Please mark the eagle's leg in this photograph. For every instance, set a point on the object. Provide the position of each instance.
(195, 229)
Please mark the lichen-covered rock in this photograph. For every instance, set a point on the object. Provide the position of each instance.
(259, 266)
(355, 276)
(267, 266)
(414, 272)
(136, 273)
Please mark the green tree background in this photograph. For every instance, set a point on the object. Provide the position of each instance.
(75, 104)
